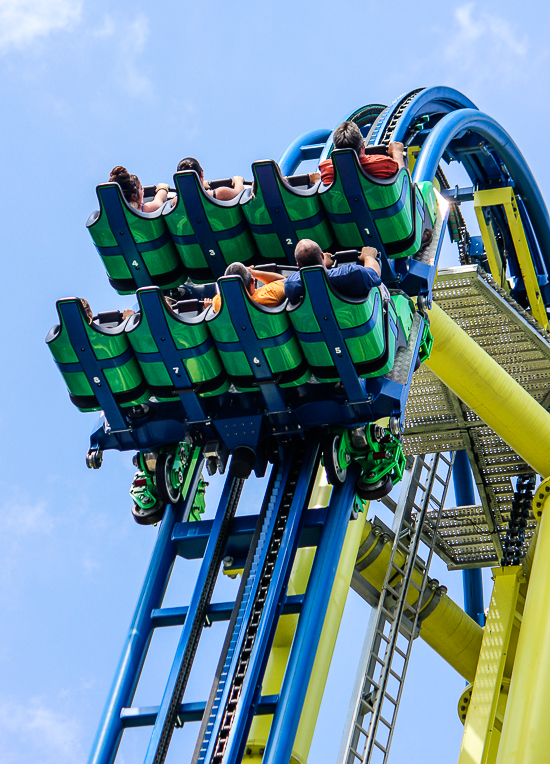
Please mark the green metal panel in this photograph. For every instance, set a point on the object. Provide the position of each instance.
(203, 366)
(148, 233)
(273, 336)
(107, 344)
(299, 206)
(400, 232)
(226, 218)
(365, 347)
(428, 195)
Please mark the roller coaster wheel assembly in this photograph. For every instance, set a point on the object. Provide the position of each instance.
(149, 516)
(94, 458)
(163, 478)
(336, 474)
(375, 491)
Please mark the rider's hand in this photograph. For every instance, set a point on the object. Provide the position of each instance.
(395, 147)
(367, 252)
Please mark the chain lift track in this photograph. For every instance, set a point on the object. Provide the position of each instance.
(189, 640)
(381, 133)
(395, 615)
(237, 652)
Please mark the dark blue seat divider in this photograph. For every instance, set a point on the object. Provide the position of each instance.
(198, 223)
(272, 223)
(71, 315)
(151, 303)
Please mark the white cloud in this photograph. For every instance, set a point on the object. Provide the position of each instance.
(36, 732)
(108, 28)
(484, 42)
(21, 517)
(23, 21)
(131, 61)
(472, 28)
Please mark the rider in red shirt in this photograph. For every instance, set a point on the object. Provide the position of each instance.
(348, 136)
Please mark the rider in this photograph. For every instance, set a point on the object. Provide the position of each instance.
(223, 194)
(348, 136)
(132, 189)
(351, 279)
(271, 294)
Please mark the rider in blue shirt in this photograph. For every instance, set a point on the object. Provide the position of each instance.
(351, 279)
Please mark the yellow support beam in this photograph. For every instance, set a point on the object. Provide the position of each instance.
(525, 735)
(490, 391)
(488, 699)
(505, 197)
(498, 271)
(447, 629)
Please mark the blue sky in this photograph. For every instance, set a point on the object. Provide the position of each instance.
(86, 85)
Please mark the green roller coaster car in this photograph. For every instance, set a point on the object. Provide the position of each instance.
(163, 478)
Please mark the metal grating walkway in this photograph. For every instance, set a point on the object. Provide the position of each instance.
(436, 420)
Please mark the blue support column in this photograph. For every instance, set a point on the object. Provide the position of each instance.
(110, 730)
(306, 640)
(471, 579)
(204, 585)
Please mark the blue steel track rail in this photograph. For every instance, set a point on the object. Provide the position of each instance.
(131, 662)
(194, 624)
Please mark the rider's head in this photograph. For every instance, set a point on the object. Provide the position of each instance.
(238, 269)
(129, 184)
(308, 252)
(348, 136)
(190, 163)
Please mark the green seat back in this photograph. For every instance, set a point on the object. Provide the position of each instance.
(208, 233)
(135, 247)
(334, 330)
(279, 215)
(256, 343)
(389, 214)
(97, 363)
(175, 352)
